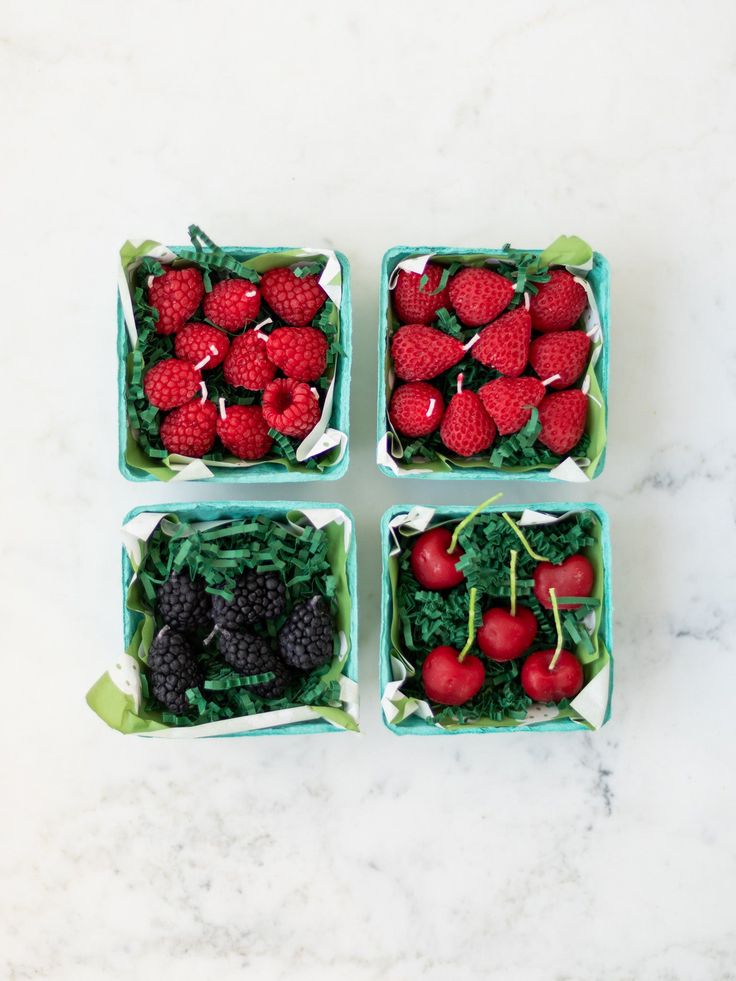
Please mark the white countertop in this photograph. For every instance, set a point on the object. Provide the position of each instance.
(606, 856)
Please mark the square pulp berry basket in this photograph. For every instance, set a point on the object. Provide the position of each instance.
(407, 715)
(390, 451)
(116, 696)
(133, 461)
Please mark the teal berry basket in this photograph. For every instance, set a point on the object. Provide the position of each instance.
(413, 724)
(267, 472)
(598, 276)
(108, 701)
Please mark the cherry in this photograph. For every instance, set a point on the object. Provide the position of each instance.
(548, 676)
(573, 577)
(449, 680)
(433, 561)
(504, 635)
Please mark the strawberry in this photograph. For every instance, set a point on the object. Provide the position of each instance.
(170, 383)
(417, 304)
(420, 352)
(508, 401)
(195, 342)
(175, 296)
(232, 303)
(504, 344)
(300, 352)
(558, 304)
(296, 299)
(244, 432)
(247, 364)
(466, 428)
(563, 416)
(291, 407)
(191, 429)
(479, 295)
(416, 409)
(563, 354)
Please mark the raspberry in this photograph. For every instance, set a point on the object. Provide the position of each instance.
(244, 432)
(306, 639)
(250, 654)
(176, 296)
(232, 303)
(191, 429)
(300, 352)
(170, 383)
(256, 596)
(291, 407)
(416, 409)
(247, 364)
(195, 342)
(183, 603)
(296, 300)
(417, 304)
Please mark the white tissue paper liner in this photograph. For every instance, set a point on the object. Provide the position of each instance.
(125, 673)
(320, 440)
(590, 703)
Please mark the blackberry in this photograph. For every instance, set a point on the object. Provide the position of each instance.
(256, 596)
(305, 640)
(173, 670)
(182, 603)
(250, 654)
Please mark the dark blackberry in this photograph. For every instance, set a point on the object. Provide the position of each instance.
(250, 654)
(173, 669)
(256, 596)
(306, 639)
(182, 602)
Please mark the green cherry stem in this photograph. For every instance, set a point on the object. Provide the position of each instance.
(520, 535)
(514, 557)
(558, 625)
(471, 625)
(466, 521)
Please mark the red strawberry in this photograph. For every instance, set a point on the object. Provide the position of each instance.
(191, 429)
(232, 303)
(504, 344)
(417, 304)
(171, 382)
(479, 295)
(296, 299)
(244, 432)
(291, 407)
(300, 352)
(416, 409)
(195, 342)
(507, 401)
(466, 428)
(558, 304)
(563, 354)
(421, 352)
(175, 295)
(247, 364)
(563, 416)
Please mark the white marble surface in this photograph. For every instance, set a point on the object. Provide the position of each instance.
(607, 857)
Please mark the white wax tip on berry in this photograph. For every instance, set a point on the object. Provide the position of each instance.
(263, 323)
(527, 300)
(203, 362)
(208, 639)
(592, 331)
(552, 378)
(432, 404)
(460, 380)
(251, 293)
(263, 337)
(223, 414)
(204, 391)
(314, 391)
(149, 281)
(215, 350)
(471, 342)
(163, 630)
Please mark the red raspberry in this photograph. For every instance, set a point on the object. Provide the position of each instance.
(247, 364)
(232, 303)
(176, 295)
(416, 409)
(300, 352)
(244, 432)
(291, 407)
(171, 382)
(191, 429)
(295, 299)
(417, 304)
(195, 342)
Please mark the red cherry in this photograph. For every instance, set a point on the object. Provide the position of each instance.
(503, 636)
(448, 680)
(433, 566)
(542, 685)
(573, 577)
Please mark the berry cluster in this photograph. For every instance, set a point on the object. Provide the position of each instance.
(477, 360)
(256, 345)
